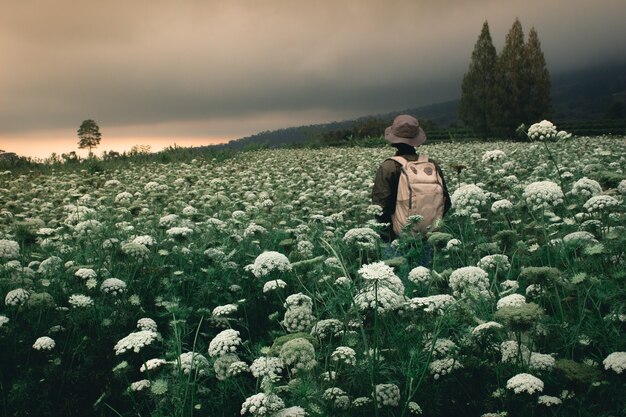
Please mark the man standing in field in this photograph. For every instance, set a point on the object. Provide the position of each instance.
(408, 184)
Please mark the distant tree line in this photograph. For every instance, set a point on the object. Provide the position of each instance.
(500, 92)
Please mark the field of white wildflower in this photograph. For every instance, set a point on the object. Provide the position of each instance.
(257, 286)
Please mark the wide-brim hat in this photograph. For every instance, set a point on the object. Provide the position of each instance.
(405, 129)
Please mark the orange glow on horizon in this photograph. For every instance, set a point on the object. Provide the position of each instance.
(41, 148)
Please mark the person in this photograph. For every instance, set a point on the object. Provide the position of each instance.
(405, 134)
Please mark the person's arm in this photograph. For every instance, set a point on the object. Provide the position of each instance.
(384, 191)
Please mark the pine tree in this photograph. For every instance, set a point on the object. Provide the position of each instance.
(89, 135)
(539, 106)
(477, 106)
(512, 82)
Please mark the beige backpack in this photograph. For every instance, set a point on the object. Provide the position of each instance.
(420, 192)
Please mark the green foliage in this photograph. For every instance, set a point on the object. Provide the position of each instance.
(89, 135)
(539, 104)
(478, 107)
(444, 353)
(501, 92)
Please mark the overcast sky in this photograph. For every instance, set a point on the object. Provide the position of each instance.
(191, 70)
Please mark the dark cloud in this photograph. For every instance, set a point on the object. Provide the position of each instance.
(149, 63)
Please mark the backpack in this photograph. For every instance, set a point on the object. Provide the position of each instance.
(420, 192)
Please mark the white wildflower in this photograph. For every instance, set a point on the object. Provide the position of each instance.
(85, 273)
(419, 275)
(469, 281)
(345, 355)
(274, 285)
(9, 249)
(135, 341)
(616, 361)
(140, 385)
(543, 194)
(468, 199)
(600, 203)
(387, 395)
(16, 297)
(114, 286)
(44, 343)
(525, 383)
(543, 130)
(225, 342)
(549, 400)
(513, 300)
(80, 301)
(269, 262)
(152, 364)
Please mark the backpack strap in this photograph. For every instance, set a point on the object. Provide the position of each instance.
(402, 161)
(422, 158)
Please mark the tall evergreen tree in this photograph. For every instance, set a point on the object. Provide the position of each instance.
(477, 107)
(539, 104)
(89, 135)
(513, 82)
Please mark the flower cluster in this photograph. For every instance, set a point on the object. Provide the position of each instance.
(9, 249)
(274, 285)
(337, 397)
(147, 323)
(543, 130)
(298, 318)
(225, 310)
(485, 328)
(44, 343)
(269, 262)
(152, 364)
(344, 354)
(225, 342)
(501, 206)
(543, 194)
(468, 199)
(136, 250)
(513, 300)
(16, 297)
(387, 395)
(586, 187)
(493, 262)
(179, 231)
(192, 362)
(383, 299)
(114, 286)
(579, 238)
(419, 275)
(222, 365)
(299, 354)
(493, 156)
(442, 367)
(140, 385)
(616, 362)
(469, 281)
(85, 273)
(600, 203)
(525, 383)
(135, 341)
(267, 366)
(262, 404)
(327, 328)
(549, 400)
(432, 304)
(80, 301)
(541, 361)
(362, 238)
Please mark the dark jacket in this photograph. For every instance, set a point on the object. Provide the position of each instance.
(386, 188)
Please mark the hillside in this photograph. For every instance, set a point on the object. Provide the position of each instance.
(587, 95)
